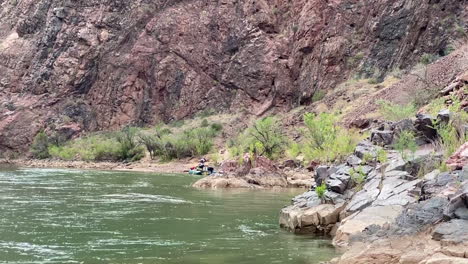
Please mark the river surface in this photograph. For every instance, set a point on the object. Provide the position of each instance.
(71, 216)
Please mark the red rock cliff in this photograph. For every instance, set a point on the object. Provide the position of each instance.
(104, 64)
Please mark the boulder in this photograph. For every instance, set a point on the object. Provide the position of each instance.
(444, 116)
(365, 148)
(318, 219)
(382, 137)
(354, 160)
(424, 125)
(291, 164)
(321, 174)
(403, 125)
(360, 123)
(455, 231)
(338, 182)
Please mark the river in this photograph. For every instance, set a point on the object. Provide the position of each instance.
(72, 216)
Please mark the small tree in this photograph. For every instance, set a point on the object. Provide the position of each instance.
(129, 148)
(40, 146)
(405, 141)
(150, 142)
(267, 137)
(324, 140)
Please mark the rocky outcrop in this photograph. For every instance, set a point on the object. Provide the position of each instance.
(382, 217)
(106, 64)
(254, 173)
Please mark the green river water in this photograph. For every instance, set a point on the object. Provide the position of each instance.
(71, 216)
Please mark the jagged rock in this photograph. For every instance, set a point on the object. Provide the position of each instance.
(455, 230)
(363, 198)
(431, 175)
(458, 202)
(459, 159)
(353, 160)
(290, 164)
(461, 213)
(444, 182)
(403, 125)
(313, 218)
(312, 165)
(424, 125)
(310, 198)
(360, 123)
(365, 148)
(444, 116)
(382, 137)
(338, 182)
(321, 174)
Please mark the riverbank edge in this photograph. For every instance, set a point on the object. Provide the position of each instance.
(176, 167)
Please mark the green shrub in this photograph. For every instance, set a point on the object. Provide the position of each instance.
(99, 147)
(60, 152)
(129, 148)
(427, 58)
(395, 112)
(204, 123)
(150, 142)
(200, 140)
(293, 150)
(321, 190)
(450, 139)
(177, 123)
(404, 142)
(318, 95)
(368, 157)
(382, 156)
(105, 150)
(40, 146)
(324, 140)
(266, 137)
(216, 127)
(358, 176)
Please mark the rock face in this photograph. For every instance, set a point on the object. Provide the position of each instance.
(459, 159)
(382, 217)
(105, 64)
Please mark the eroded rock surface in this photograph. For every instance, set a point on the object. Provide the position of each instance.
(107, 64)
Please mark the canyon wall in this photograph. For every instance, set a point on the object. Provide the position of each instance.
(88, 65)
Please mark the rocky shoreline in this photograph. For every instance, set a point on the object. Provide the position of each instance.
(405, 210)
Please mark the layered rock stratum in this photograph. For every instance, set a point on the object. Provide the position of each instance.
(89, 65)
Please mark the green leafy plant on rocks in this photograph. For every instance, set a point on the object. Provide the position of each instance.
(405, 142)
(321, 190)
(358, 176)
(326, 141)
(382, 156)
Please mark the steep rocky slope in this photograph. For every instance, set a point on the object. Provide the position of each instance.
(83, 65)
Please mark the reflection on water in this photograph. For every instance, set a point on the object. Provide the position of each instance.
(71, 216)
